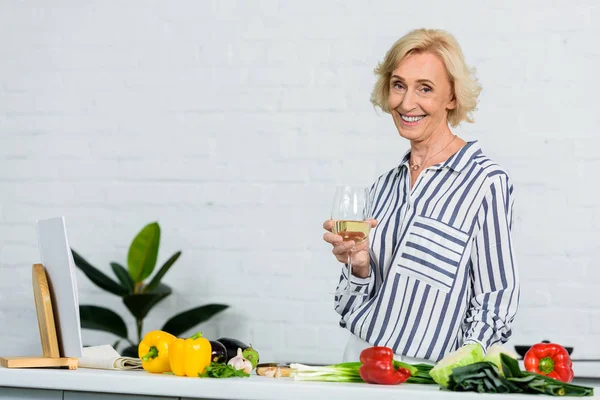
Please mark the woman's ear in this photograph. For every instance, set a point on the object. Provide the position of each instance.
(452, 104)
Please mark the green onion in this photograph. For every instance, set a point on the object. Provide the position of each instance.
(344, 372)
(348, 372)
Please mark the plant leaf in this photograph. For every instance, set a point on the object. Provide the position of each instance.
(181, 322)
(102, 319)
(123, 276)
(97, 276)
(139, 304)
(143, 252)
(162, 271)
(510, 367)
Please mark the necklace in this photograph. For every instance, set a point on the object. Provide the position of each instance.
(415, 167)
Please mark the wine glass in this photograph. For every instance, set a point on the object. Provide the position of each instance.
(350, 210)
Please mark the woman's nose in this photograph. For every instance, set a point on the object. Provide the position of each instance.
(408, 101)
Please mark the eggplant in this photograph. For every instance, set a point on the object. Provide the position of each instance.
(219, 352)
(232, 345)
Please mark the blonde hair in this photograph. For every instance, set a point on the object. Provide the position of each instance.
(464, 84)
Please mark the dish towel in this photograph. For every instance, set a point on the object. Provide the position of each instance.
(105, 357)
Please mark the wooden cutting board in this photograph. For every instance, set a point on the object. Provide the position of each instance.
(48, 334)
(273, 370)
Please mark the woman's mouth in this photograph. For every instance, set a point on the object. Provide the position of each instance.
(411, 120)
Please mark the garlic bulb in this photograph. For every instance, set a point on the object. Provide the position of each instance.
(240, 363)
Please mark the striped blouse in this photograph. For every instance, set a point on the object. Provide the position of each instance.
(443, 270)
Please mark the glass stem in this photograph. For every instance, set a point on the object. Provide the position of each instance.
(348, 288)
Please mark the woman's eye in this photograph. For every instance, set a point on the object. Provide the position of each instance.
(397, 85)
(426, 89)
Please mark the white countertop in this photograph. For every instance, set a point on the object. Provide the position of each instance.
(254, 387)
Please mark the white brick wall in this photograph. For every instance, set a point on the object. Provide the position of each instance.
(230, 122)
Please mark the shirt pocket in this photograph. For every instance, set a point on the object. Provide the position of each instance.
(432, 253)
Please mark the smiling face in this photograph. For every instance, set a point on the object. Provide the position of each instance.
(420, 97)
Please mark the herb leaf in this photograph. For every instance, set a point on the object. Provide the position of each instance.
(219, 370)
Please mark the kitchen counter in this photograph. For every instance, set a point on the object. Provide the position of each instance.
(138, 385)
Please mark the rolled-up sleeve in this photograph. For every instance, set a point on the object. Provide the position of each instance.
(346, 304)
(494, 274)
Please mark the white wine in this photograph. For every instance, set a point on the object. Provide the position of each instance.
(352, 230)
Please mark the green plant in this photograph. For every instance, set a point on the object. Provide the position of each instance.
(138, 296)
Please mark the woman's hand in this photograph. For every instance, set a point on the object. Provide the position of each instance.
(341, 249)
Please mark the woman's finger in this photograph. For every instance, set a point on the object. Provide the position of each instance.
(327, 225)
(373, 222)
(363, 246)
(342, 248)
(331, 238)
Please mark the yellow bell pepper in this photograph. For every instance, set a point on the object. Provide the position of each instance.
(154, 351)
(190, 357)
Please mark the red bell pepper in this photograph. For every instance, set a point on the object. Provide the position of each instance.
(549, 359)
(378, 367)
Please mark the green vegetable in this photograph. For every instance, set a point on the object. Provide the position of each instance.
(344, 372)
(485, 377)
(422, 374)
(251, 355)
(348, 372)
(482, 377)
(493, 355)
(218, 370)
(468, 354)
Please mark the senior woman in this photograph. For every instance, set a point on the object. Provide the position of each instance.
(438, 271)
